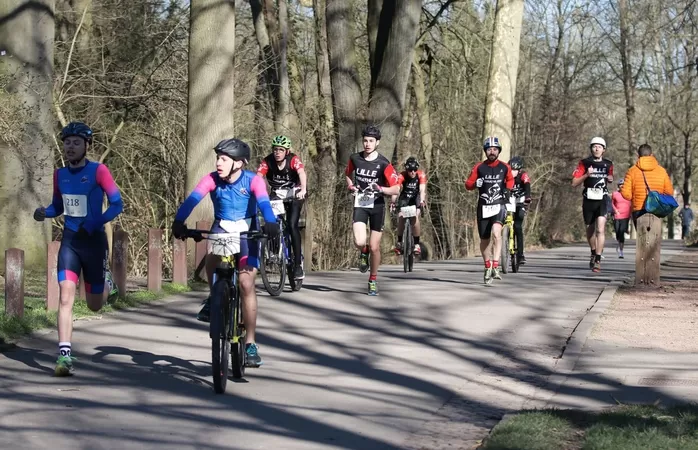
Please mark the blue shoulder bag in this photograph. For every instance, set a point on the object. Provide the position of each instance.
(661, 205)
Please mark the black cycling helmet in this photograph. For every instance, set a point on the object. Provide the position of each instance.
(371, 131)
(234, 148)
(516, 163)
(77, 129)
(411, 163)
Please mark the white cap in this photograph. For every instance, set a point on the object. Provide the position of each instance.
(597, 140)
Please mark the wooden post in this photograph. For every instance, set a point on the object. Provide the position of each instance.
(53, 291)
(649, 246)
(200, 252)
(154, 260)
(119, 261)
(179, 261)
(14, 282)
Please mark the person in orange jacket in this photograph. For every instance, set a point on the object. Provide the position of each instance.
(646, 168)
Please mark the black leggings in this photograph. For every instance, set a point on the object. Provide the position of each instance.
(621, 226)
(293, 215)
(518, 229)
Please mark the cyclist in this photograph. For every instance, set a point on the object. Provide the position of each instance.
(373, 177)
(413, 191)
(78, 191)
(285, 173)
(595, 173)
(621, 217)
(522, 194)
(494, 181)
(236, 193)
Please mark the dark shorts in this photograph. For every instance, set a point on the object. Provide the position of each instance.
(592, 210)
(249, 250)
(375, 216)
(88, 254)
(484, 225)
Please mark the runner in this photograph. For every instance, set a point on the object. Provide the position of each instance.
(595, 173)
(78, 192)
(621, 218)
(494, 181)
(373, 177)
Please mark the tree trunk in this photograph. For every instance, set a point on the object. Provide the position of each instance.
(326, 157)
(26, 71)
(284, 111)
(346, 90)
(504, 64)
(628, 79)
(373, 19)
(397, 35)
(687, 169)
(211, 105)
(420, 97)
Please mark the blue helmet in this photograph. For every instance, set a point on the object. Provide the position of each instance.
(492, 141)
(77, 129)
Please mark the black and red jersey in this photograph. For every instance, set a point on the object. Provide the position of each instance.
(522, 185)
(410, 186)
(366, 172)
(599, 171)
(286, 178)
(497, 180)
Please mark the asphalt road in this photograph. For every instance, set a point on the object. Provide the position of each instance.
(432, 362)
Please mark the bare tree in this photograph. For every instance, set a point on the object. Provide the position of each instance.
(211, 105)
(26, 78)
(504, 64)
(346, 87)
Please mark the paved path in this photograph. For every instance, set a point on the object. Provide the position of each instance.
(433, 362)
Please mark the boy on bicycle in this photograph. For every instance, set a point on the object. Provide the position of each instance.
(236, 194)
(413, 191)
(522, 193)
(286, 175)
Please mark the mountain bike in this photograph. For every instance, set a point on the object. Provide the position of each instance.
(278, 258)
(509, 250)
(407, 212)
(226, 327)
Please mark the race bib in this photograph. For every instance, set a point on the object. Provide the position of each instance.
(278, 207)
(362, 200)
(408, 211)
(283, 193)
(490, 210)
(595, 193)
(75, 205)
(521, 200)
(227, 244)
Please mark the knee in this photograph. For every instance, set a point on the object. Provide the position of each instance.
(246, 284)
(375, 247)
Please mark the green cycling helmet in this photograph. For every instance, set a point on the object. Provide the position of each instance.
(281, 141)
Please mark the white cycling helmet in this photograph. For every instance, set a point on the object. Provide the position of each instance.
(597, 140)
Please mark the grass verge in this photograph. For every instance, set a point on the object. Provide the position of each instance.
(36, 317)
(625, 427)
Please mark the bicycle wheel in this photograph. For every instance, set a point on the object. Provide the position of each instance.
(218, 326)
(237, 353)
(505, 249)
(406, 250)
(273, 266)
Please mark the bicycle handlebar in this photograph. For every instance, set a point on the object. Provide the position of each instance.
(197, 235)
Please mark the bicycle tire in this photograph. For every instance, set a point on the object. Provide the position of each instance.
(515, 263)
(274, 289)
(505, 249)
(218, 327)
(237, 351)
(406, 250)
